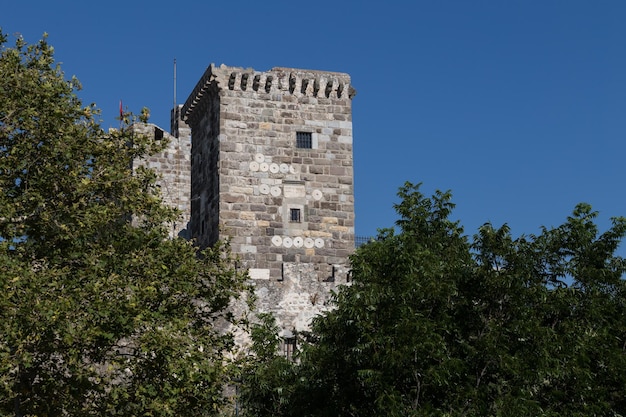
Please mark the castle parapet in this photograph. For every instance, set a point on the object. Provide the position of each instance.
(296, 82)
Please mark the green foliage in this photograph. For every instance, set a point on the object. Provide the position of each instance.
(267, 378)
(435, 324)
(100, 313)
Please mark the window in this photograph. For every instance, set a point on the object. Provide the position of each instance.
(158, 133)
(289, 347)
(304, 140)
(295, 215)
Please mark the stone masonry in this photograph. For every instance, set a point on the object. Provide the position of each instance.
(174, 167)
(272, 170)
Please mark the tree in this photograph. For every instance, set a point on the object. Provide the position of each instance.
(266, 378)
(100, 313)
(389, 342)
(437, 324)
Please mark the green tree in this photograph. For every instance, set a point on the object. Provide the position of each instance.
(100, 313)
(266, 378)
(437, 324)
(388, 346)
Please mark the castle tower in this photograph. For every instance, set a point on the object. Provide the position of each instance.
(272, 170)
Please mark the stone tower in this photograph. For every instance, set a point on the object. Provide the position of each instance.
(272, 170)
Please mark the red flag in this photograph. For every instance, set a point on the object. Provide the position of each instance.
(121, 111)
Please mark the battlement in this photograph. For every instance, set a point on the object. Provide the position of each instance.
(296, 82)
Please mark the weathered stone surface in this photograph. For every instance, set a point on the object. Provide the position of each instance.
(174, 167)
(288, 210)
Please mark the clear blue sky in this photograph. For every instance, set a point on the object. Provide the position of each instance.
(517, 106)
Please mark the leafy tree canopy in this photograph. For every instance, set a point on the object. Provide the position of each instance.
(100, 313)
(436, 323)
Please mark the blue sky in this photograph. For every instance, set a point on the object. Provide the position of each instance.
(518, 107)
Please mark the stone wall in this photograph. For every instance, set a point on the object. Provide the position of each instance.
(288, 210)
(174, 168)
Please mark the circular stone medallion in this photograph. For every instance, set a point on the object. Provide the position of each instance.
(317, 194)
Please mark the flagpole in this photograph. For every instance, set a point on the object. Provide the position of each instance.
(174, 83)
(175, 115)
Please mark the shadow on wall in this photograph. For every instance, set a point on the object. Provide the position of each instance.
(185, 233)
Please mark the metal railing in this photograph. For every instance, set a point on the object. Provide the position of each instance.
(361, 240)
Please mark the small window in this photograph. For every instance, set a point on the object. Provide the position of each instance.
(158, 134)
(295, 215)
(289, 347)
(304, 140)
